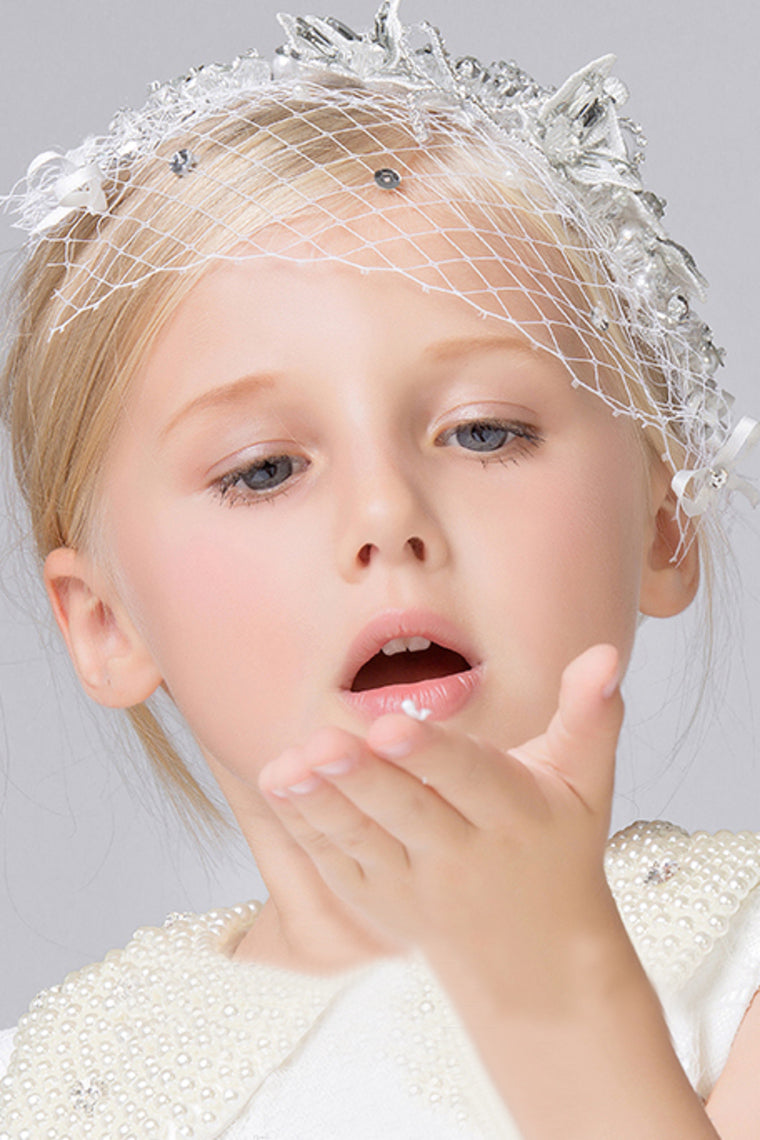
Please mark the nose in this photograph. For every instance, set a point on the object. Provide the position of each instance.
(384, 517)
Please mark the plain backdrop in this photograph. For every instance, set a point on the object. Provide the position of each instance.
(87, 854)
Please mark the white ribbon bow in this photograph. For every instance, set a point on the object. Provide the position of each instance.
(710, 481)
(81, 184)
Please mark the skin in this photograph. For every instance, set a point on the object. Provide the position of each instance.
(545, 554)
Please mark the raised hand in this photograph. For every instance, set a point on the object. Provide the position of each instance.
(449, 844)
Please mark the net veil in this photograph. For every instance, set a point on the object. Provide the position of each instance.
(379, 152)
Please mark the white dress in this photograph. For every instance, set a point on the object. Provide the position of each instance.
(172, 1038)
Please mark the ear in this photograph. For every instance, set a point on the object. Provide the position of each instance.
(667, 587)
(111, 659)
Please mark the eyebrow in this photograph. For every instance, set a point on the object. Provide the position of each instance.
(459, 346)
(246, 386)
(230, 394)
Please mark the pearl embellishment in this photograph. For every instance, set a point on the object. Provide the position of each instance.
(171, 1036)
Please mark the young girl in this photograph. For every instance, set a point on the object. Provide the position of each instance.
(361, 408)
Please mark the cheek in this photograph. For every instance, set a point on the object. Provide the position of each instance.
(594, 557)
(216, 610)
(564, 574)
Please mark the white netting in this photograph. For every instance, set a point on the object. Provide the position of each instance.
(523, 202)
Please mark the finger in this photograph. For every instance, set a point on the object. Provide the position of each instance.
(344, 844)
(399, 803)
(581, 740)
(484, 785)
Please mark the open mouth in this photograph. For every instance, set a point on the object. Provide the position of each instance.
(408, 667)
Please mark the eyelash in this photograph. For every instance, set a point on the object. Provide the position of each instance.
(232, 492)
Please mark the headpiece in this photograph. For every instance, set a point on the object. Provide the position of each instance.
(571, 157)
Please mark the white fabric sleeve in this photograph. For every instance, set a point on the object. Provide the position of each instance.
(705, 1016)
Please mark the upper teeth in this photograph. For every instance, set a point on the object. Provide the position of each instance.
(399, 644)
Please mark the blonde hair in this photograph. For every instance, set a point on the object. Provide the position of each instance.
(61, 395)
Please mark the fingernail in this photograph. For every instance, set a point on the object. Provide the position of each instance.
(394, 749)
(335, 767)
(612, 685)
(310, 784)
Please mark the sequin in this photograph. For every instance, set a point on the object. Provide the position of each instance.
(468, 67)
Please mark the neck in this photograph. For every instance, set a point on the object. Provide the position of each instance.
(303, 926)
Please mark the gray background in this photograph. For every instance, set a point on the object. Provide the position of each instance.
(86, 852)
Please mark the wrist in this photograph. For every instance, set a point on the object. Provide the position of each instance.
(561, 974)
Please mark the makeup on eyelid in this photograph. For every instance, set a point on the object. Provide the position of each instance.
(258, 401)
(216, 452)
(236, 485)
(252, 386)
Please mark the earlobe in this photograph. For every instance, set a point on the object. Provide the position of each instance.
(667, 586)
(111, 659)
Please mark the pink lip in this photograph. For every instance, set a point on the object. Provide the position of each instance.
(444, 696)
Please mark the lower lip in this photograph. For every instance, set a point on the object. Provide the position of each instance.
(444, 696)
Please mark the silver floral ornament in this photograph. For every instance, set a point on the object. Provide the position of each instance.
(579, 146)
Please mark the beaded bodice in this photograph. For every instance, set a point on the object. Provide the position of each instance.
(172, 1037)
(171, 1029)
(677, 893)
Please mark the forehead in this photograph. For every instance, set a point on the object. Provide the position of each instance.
(423, 261)
(474, 266)
(387, 289)
(356, 307)
(494, 254)
(497, 257)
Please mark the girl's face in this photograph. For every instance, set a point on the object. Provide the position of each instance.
(294, 459)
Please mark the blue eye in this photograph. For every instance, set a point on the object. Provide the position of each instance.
(267, 475)
(483, 436)
(492, 436)
(257, 479)
(266, 479)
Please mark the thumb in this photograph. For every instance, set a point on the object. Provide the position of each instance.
(581, 740)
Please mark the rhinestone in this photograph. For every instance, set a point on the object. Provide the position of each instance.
(85, 1097)
(468, 67)
(387, 179)
(181, 163)
(661, 872)
(599, 318)
(678, 308)
(718, 478)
